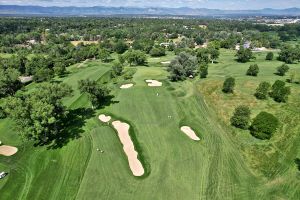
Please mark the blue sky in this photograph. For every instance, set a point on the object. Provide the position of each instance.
(217, 4)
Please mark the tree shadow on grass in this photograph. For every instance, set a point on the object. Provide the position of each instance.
(72, 127)
(297, 162)
(107, 101)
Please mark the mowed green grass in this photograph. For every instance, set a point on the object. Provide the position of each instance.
(180, 168)
(220, 166)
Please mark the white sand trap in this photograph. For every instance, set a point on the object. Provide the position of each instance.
(189, 132)
(126, 86)
(104, 118)
(166, 62)
(8, 150)
(154, 83)
(128, 147)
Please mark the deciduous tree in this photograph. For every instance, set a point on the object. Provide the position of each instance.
(241, 117)
(264, 125)
(228, 85)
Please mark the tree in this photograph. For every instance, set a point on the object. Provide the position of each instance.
(96, 92)
(202, 55)
(203, 69)
(104, 55)
(36, 63)
(216, 44)
(294, 75)
(39, 115)
(228, 85)
(281, 70)
(241, 117)
(120, 47)
(143, 45)
(183, 66)
(244, 55)
(262, 90)
(59, 68)
(117, 69)
(199, 40)
(253, 70)
(9, 81)
(270, 56)
(157, 52)
(280, 92)
(2, 113)
(43, 74)
(264, 125)
(288, 54)
(214, 54)
(136, 57)
(121, 59)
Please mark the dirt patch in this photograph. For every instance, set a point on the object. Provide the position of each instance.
(128, 147)
(154, 83)
(189, 132)
(104, 118)
(6, 150)
(126, 86)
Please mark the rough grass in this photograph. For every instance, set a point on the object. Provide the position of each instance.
(272, 159)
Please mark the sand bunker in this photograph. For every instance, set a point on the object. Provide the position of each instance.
(126, 86)
(8, 150)
(104, 118)
(166, 62)
(154, 83)
(128, 147)
(189, 132)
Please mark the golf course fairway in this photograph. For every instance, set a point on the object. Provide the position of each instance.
(89, 161)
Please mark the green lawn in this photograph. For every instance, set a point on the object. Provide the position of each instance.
(226, 164)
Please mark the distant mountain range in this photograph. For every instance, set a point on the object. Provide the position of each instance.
(15, 10)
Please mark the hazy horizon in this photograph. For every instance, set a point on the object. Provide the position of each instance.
(210, 4)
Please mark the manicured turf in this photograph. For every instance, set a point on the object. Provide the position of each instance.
(226, 164)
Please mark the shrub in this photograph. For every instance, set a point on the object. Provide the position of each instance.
(270, 56)
(280, 92)
(262, 90)
(253, 70)
(281, 70)
(228, 85)
(241, 117)
(264, 125)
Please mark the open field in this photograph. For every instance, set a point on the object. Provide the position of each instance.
(225, 164)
